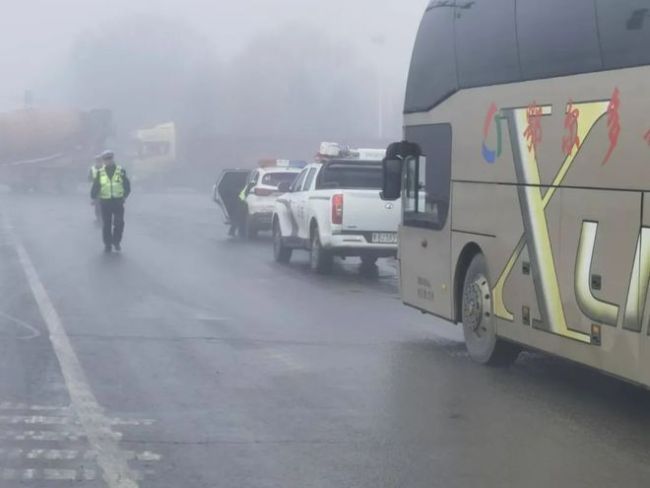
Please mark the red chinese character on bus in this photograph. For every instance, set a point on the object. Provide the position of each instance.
(646, 137)
(613, 123)
(533, 132)
(572, 139)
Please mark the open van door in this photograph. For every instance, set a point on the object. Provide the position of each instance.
(227, 189)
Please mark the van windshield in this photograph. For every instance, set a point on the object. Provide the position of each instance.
(365, 175)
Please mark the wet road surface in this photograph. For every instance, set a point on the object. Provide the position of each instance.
(192, 360)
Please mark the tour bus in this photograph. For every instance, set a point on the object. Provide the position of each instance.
(524, 175)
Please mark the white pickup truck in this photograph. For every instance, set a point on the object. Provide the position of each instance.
(333, 209)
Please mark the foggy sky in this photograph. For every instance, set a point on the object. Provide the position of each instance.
(36, 35)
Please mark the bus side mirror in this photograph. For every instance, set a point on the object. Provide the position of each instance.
(392, 176)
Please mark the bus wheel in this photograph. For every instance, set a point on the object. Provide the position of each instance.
(479, 324)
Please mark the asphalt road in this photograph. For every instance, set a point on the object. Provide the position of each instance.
(192, 360)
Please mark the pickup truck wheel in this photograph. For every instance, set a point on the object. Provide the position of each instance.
(479, 323)
(320, 260)
(281, 253)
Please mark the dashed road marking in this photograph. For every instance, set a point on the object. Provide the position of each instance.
(97, 427)
(48, 474)
(14, 454)
(52, 454)
(36, 420)
(33, 408)
(56, 420)
(69, 435)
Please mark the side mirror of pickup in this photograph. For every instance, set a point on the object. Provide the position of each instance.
(284, 187)
(392, 176)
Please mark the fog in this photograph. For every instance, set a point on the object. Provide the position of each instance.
(269, 68)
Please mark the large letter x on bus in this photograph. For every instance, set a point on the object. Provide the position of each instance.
(524, 176)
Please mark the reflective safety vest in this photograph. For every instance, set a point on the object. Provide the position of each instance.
(111, 187)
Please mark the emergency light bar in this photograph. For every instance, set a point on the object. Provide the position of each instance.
(281, 163)
(372, 154)
(330, 150)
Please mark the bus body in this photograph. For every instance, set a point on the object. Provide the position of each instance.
(531, 121)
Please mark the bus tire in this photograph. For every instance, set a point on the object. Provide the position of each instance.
(479, 323)
(281, 253)
(320, 261)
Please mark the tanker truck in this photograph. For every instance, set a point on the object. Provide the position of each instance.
(50, 149)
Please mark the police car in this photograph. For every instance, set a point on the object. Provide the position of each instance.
(334, 209)
(247, 197)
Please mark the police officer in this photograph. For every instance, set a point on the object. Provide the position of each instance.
(92, 175)
(112, 187)
(239, 214)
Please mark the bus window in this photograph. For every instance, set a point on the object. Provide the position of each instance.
(428, 178)
(573, 46)
(624, 27)
(486, 43)
(432, 76)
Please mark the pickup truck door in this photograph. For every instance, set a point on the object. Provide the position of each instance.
(294, 199)
(227, 188)
(302, 204)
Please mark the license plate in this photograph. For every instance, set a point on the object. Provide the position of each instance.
(384, 237)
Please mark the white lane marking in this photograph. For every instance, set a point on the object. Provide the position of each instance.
(32, 408)
(70, 455)
(131, 422)
(148, 456)
(44, 435)
(57, 420)
(68, 475)
(97, 427)
(36, 419)
(145, 456)
(33, 331)
(48, 474)
(53, 454)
